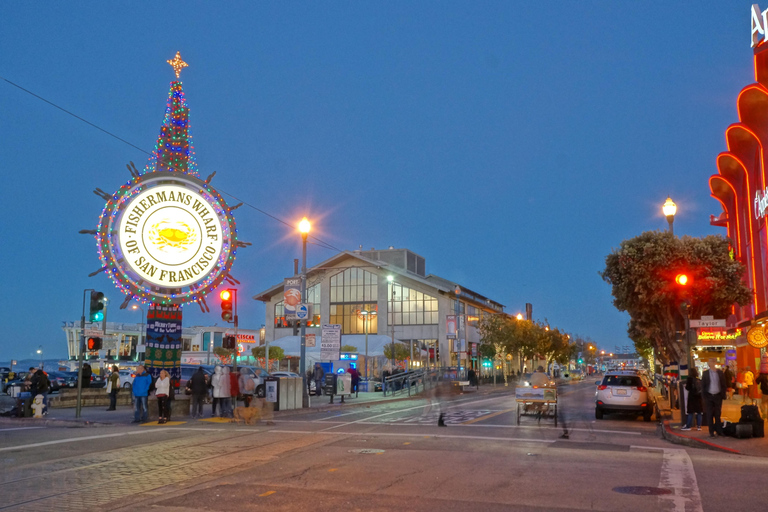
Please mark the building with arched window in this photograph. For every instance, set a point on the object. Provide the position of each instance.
(352, 289)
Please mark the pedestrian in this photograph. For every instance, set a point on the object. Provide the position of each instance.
(730, 382)
(247, 386)
(762, 381)
(140, 388)
(218, 391)
(162, 392)
(113, 386)
(310, 380)
(695, 402)
(713, 390)
(198, 387)
(40, 385)
(234, 389)
(748, 386)
(355, 379)
(318, 376)
(87, 374)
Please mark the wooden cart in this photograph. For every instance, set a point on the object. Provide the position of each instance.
(540, 402)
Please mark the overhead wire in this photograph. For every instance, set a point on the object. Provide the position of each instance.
(320, 243)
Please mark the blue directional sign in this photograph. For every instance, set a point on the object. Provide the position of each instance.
(302, 311)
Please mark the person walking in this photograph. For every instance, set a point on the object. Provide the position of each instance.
(318, 376)
(198, 387)
(218, 391)
(113, 386)
(87, 374)
(695, 402)
(748, 386)
(355, 379)
(730, 382)
(713, 390)
(247, 386)
(140, 388)
(162, 392)
(234, 390)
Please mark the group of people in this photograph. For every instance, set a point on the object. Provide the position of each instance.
(706, 394)
(36, 382)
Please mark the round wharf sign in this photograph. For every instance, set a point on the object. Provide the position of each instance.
(167, 238)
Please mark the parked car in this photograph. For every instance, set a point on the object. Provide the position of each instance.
(285, 374)
(623, 392)
(62, 380)
(126, 377)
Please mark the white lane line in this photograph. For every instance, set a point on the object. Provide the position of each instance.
(391, 434)
(74, 440)
(18, 428)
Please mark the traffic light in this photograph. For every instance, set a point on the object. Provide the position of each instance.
(93, 344)
(683, 279)
(226, 305)
(97, 305)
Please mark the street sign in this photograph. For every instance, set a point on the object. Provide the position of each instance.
(330, 342)
(707, 322)
(90, 333)
(310, 340)
(302, 311)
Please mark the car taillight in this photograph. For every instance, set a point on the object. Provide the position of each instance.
(641, 388)
(133, 375)
(601, 387)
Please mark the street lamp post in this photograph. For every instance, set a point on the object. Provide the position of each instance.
(391, 280)
(40, 351)
(669, 208)
(367, 322)
(141, 331)
(304, 227)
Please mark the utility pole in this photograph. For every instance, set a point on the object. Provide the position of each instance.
(80, 357)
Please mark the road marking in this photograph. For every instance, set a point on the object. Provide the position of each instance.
(74, 440)
(267, 494)
(18, 428)
(391, 434)
(332, 470)
(677, 473)
(488, 416)
(407, 443)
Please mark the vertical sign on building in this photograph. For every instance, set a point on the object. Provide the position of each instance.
(164, 341)
(330, 342)
(291, 296)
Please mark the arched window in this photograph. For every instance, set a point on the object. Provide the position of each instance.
(411, 307)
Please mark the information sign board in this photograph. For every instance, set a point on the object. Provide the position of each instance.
(330, 342)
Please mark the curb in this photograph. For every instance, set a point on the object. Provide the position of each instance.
(694, 442)
(43, 422)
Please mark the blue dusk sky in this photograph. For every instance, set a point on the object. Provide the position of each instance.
(512, 144)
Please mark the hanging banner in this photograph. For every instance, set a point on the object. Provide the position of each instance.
(450, 326)
(163, 347)
(330, 342)
(291, 296)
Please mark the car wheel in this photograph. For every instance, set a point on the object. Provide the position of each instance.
(260, 391)
(127, 385)
(598, 413)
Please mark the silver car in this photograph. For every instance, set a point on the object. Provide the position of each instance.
(623, 392)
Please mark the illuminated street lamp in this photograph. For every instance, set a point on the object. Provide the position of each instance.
(669, 208)
(40, 351)
(519, 316)
(304, 227)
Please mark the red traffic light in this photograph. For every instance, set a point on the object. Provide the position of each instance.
(226, 305)
(682, 279)
(93, 344)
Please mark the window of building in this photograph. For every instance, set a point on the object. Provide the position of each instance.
(313, 298)
(352, 291)
(411, 307)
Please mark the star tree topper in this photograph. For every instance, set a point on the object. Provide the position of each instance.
(177, 64)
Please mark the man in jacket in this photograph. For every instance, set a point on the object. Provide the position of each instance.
(113, 383)
(141, 383)
(318, 376)
(199, 388)
(713, 387)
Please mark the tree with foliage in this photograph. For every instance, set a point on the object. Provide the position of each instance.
(642, 274)
(275, 353)
(224, 354)
(401, 351)
(348, 348)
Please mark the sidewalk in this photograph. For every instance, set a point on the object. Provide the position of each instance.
(671, 424)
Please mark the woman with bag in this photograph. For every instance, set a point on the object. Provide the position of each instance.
(113, 386)
(162, 390)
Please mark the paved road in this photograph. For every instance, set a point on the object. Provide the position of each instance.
(384, 457)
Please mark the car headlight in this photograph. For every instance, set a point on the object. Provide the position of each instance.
(527, 383)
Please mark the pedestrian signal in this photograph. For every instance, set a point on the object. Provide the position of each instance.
(93, 344)
(97, 305)
(229, 342)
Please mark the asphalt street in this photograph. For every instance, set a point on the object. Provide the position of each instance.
(389, 456)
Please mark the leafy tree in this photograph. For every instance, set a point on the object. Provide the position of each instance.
(487, 351)
(348, 348)
(401, 351)
(642, 275)
(224, 354)
(275, 353)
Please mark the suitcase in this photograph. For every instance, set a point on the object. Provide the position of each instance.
(743, 430)
(729, 428)
(758, 429)
(750, 413)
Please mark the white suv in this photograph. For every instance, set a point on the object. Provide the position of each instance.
(623, 392)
